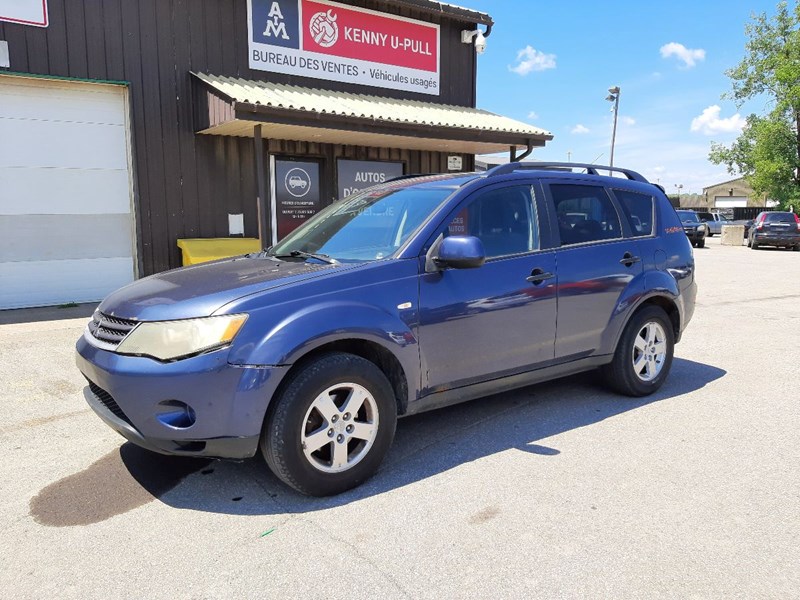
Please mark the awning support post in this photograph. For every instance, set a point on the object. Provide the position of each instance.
(264, 232)
(512, 154)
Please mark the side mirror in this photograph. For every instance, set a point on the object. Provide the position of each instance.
(460, 252)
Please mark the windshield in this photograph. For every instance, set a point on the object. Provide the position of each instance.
(367, 226)
(687, 215)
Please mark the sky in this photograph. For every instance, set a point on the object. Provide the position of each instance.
(550, 64)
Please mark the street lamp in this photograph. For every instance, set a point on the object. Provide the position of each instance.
(613, 96)
(679, 187)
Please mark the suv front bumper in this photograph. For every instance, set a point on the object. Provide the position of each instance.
(135, 396)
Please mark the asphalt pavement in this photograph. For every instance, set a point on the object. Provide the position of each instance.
(561, 490)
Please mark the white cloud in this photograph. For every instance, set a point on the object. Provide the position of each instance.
(709, 122)
(532, 116)
(579, 129)
(529, 59)
(629, 120)
(689, 56)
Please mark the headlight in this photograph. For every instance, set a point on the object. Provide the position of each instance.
(701, 228)
(170, 340)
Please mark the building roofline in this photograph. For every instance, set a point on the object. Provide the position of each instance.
(465, 15)
(708, 187)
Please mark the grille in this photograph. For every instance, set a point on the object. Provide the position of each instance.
(110, 330)
(108, 401)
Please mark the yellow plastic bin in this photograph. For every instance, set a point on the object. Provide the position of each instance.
(200, 250)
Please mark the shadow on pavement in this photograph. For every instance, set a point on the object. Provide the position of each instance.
(425, 445)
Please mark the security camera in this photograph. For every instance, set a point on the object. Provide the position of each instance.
(480, 43)
(479, 38)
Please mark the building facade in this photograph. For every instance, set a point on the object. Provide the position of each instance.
(128, 125)
(735, 193)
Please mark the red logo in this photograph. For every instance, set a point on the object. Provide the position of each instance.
(338, 30)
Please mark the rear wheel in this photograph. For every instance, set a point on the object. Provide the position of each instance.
(754, 244)
(331, 426)
(796, 248)
(644, 353)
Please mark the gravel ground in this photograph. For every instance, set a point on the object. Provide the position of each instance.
(560, 490)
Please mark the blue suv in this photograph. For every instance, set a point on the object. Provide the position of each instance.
(412, 295)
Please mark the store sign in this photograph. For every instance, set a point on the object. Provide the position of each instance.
(356, 175)
(454, 163)
(296, 194)
(24, 12)
(328, 40)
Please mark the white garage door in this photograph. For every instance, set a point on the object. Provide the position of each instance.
(66, 230)
(730, 201)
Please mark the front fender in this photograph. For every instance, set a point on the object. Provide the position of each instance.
(313, 326)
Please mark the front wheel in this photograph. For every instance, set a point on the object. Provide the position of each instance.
(331, 426)
(701, 243)
(643, 356)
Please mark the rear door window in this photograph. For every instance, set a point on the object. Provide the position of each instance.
(638, 210)
(585, 214)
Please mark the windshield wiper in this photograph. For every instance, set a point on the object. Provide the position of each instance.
(295, 253)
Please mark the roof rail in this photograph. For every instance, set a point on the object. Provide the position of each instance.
(411, 176)
(543, 166)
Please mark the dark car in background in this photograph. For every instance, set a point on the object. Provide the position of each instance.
(695, 229)
(775, 228)
(407, 296)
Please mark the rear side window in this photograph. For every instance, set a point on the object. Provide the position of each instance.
(585, 214)
(638, 209)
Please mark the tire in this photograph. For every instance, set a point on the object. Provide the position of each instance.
(754, 244)
(621, 374)
(701, 243)
(709, 234)
(323, 387)
(694, 244)
(749, 243)
(796, 248)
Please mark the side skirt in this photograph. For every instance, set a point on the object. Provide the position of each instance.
(504, 384)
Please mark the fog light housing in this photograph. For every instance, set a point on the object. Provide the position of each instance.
(176, 414)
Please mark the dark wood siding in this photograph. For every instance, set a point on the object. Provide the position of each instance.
(185, 185)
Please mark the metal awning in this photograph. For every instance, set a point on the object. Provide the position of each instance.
(232, 106)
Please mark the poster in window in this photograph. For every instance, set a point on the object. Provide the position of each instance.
(356, 175)
(297, 194)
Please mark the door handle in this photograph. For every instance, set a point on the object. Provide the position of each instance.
(537, 276)
(629, 259)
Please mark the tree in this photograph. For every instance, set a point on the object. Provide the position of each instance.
(767, 152)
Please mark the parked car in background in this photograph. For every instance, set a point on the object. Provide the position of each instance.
(714, 221)
(774, 228)
(408, 296)
(694, 229)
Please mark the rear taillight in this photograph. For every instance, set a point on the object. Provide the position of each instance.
(797, 220)
(760, 224)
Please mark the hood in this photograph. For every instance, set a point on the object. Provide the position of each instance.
(202, 289)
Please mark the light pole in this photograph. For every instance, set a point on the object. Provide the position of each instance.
(679, 187)
(613, 96)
